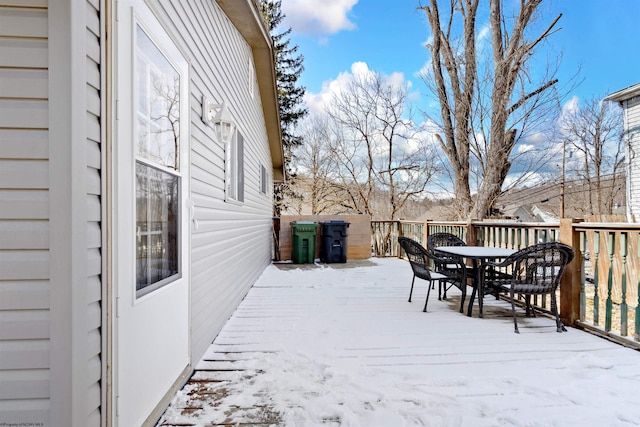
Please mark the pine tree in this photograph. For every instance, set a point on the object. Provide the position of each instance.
(289, 67)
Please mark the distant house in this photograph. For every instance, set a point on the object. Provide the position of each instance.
(139, 141)
(629, 100)
(528, 213)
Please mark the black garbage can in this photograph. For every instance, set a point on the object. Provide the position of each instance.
(333, 238)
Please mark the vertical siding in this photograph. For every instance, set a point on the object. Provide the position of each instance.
(632, 107)
(24, 205)
(94, 210)
(230, 242)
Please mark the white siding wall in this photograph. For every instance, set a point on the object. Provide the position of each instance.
(28, 288)
(632, 126)
(24, 228)
(93, 181)
(231, 244)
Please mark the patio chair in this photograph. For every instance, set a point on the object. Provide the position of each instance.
(534, 270)
(443, 239)
(448, 262)
(422, 262)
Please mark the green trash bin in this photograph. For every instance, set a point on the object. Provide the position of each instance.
(304, 241)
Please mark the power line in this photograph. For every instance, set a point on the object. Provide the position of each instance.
(529, 192)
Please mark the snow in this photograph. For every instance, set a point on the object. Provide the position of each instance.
(339, 345)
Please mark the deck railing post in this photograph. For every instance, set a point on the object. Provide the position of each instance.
(472, 233)
(624, 309)
(611, 241)
(400, 232)
(425, 231)
(570, 282)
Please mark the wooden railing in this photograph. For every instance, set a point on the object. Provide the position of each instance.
(610, 281)
(600, 290)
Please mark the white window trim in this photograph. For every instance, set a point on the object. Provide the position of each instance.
(263, 180)
(234, 169)
(171, 54)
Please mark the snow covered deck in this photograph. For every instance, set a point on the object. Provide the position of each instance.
(339, 345)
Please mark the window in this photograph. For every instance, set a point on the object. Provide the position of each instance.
(158, 178)
(263, 180)
(234, 168)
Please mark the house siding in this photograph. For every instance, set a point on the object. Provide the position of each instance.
(31, 347)
(632, 127)
(24, 206)
(230, 242)
(52, 292)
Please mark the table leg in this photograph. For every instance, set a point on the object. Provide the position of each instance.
(476, 285)
(480, 291)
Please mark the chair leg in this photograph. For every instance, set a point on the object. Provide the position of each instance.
(428, 292)
(411, 291)
(554, 308)
(440, 290)
(530, 310)
(513, 312)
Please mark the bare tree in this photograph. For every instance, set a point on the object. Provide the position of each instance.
(381, 153)
(487, 103)
(316, 170)
(594, 131)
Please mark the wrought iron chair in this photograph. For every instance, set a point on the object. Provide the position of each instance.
(534, 270)
(422, 262)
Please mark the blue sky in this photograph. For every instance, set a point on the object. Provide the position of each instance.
(600, 36)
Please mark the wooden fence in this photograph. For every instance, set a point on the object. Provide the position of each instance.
(358, 235)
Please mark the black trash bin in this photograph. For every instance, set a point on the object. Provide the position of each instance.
(333, 238)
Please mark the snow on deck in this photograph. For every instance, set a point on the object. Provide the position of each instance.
(339, 345)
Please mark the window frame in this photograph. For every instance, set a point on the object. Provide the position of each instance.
(264, 180)
(147, 160)
(234, 169)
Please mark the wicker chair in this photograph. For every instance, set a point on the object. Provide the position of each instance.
(443, 239)
(535, 270)
(422, 262)
(448, 263)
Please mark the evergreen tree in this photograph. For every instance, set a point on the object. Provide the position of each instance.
(289, 67)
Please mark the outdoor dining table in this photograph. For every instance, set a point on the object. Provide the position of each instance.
(477, 255)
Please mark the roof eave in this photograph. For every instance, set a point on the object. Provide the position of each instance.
(246, 17)
(624, 94)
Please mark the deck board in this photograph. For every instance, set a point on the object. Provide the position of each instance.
(361, 323)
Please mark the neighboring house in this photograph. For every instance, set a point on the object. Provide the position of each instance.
(135, 213)
(629, 100)
(527, 213)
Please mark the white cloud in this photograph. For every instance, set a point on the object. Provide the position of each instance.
(569, 110)
(524, 179)
(525, 148)
(537, 138)
(571, 106)
(317, 102)
(483, 34)
(317, 19)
